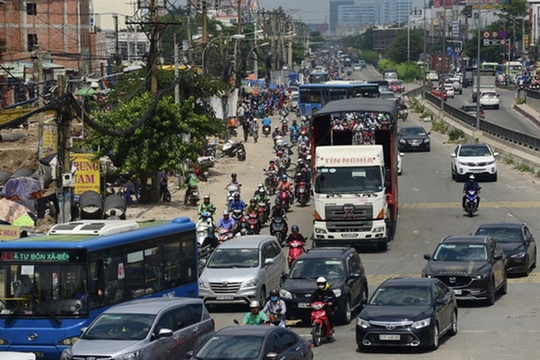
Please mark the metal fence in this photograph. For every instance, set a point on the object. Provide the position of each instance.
(495, 130)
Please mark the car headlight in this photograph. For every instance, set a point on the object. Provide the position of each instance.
(250, 283)
(69, 341)
(66, 355)
(133, 355)
(378, 229)
(284, 294)
(462, 163)
(422, 323)
(337, 292)
(490, 162)
(3, 341)
(426, 140)
(480, 277)
(320, 231)
(518, 255)
(402, 141)
(203, 284)
(362, 323)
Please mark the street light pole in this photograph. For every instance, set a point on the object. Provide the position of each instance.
(478, 68)
(424, 54)
(443, 53)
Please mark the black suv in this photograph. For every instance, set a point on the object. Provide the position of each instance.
(473, 266)
(342, 268)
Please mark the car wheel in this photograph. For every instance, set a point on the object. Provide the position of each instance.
(453, 329)
(504, 287)
(452, 173)
(428, 149)
(262, 296)
(491, 293)
(346, 315)
(435, 338)
(527, 269)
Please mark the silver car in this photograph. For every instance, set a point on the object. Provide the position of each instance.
(145, 329)
(241, 270)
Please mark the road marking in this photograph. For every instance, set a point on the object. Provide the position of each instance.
(485, 204)
(533, 278)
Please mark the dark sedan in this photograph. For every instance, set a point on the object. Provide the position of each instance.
(408, 312)
(414, 138)
(473, 266)
(516, 241)
(254, 342)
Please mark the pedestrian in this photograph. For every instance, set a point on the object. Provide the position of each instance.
(255, 128)
(245, 127)
(240, 113)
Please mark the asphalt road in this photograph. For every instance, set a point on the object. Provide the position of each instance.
(430, 210)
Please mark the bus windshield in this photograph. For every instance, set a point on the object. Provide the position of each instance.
(314, 96)
(318, 77)
(43, 290)
(348, 180)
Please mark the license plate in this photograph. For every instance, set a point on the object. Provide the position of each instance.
(225, 297)
(302, 190)
(389, 337)
(458, 292)
(351, 235)
(303, 305)
(195, 193)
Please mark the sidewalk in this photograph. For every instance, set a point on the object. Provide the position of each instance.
(528, 112)
(250, 174)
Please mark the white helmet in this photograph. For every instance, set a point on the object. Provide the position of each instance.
(254, 304)
(471, 177)
(321, 280)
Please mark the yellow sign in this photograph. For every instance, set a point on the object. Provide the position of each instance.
(9, 232)
(86, 173)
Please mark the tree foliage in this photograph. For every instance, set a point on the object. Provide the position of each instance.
(397, 51)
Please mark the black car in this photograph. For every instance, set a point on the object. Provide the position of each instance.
(414, 138)
(516, 241)
(473, 266)
(342, 268)
(412, 312)
(254, 342)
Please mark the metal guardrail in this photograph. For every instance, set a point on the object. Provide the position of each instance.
(500, 132)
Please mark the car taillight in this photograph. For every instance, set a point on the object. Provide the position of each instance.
(213, 322)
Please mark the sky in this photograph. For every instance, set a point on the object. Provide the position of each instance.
(308, 11)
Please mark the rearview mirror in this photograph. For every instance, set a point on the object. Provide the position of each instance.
(496, 154)
(284, 275)
(453, 155)
(427, 256)
(268, 261)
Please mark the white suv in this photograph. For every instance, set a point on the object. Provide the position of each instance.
(477, 159)
(489, 99)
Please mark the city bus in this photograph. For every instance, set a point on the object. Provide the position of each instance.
(512, 68)
(490, 66)
(78, 269)
(314, 96)
(318, 77)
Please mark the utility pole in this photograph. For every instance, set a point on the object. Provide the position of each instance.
(188, 33)
(255, 58)
(204, 24)
(117, 57)
(37, 59)
(63, 167)
(176, 73)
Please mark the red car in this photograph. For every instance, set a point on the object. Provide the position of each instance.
(438, 90)
(395, 86)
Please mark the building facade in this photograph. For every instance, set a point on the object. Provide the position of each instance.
(60, 28)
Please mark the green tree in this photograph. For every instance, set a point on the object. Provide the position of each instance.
(397, 51)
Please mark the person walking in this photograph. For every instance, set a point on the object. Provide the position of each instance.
(255, 128)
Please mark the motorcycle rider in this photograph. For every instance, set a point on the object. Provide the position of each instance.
(237, 203)
(295, 235)
(226, 222)
(252, 207)
(262, 197)
(302, 176)
(325, 294)
(255, 316)
(267, 122)
(278, 211)
(234, 182)
(276, 133)
(163, 184)
(205, 220)
(191, 181)
(303, 138)
(206, 206)
(285, 185)
(275, 307)
(295, 130)
(471, 185)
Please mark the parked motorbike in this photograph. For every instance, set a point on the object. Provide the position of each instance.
(254, 225)
(241, 152)
(471, 202)
(303, 195)
(320, 323)
(202, 165)
(278, 228)
(266, 130)
(230, 148)
(296, 248)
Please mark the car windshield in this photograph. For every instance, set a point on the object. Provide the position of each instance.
(384, 95)
(470, 151)
(234, 258)
(489, 95)
(348, 180)
(394, 83)
(460, 252)
(413, 132)
(111, 326)
(401, 296)
(314, 268)
(238, 347)
(502, 234)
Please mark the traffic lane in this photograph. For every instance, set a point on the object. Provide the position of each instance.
(505, 116)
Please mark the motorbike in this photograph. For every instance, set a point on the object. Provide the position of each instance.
(278, 142)
(224, 235)
(232, 132)
(285, 198)
(209, 243)
(471, 202)
(274, 319)
(284, 126)
(278, 228)
(294, 137)
(403, 112)
(303, 196)
(254, 225)
(193, 196)
(266, 130)
(231, 189)
(237, 215)
(230, 148)
(320, 323)
(296, 248)
(202, 165)
(241, 152)
(263, 213)
(271, 182)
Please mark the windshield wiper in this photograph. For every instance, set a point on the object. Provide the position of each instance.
(54, 317)
(9, 318)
